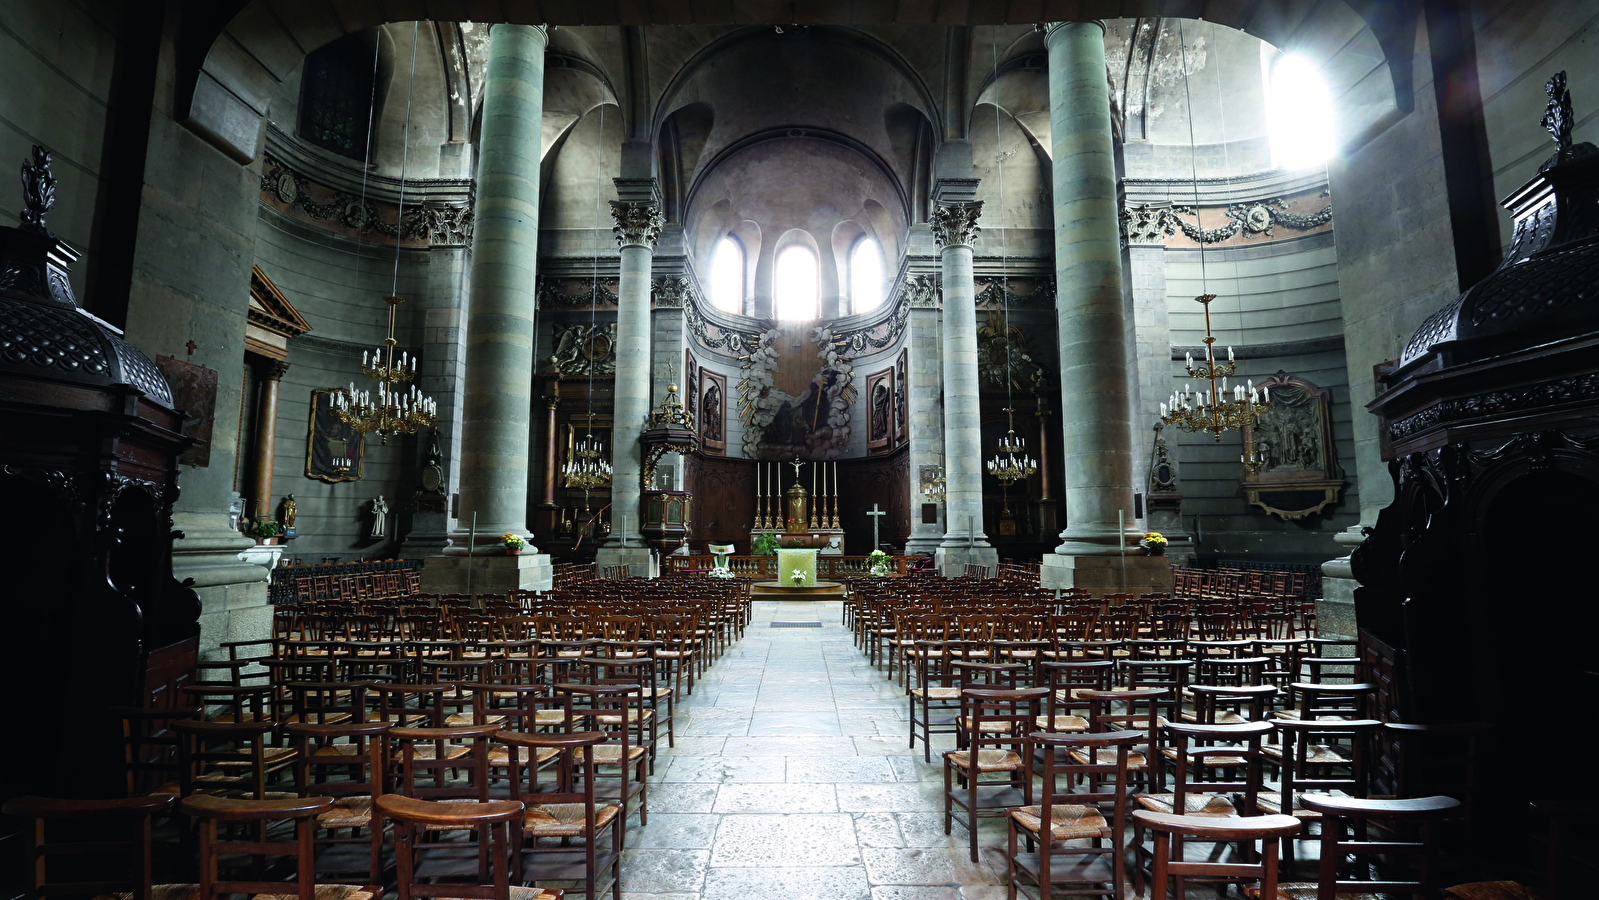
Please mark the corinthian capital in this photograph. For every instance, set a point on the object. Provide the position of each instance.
(638, 223)
(955, 224)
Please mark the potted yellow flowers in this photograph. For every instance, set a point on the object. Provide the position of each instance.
(513, 544)
(1154, 543)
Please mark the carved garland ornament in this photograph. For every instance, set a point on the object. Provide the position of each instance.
(442, 226)
(1148, 225)
(638, 223)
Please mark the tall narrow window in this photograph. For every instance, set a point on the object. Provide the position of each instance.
(865, 275)
(727, 276)
(1299, 111)
(796, 287)
(336, 96)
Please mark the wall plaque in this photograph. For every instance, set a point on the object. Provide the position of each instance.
(1299, 475)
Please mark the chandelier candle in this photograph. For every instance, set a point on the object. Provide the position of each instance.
(1211, 410)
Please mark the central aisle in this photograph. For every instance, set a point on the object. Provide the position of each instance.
(792, 779)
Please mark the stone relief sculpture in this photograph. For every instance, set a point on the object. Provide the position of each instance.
(1299, 475)
(584, 349)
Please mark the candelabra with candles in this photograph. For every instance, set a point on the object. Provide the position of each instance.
(1011, 462)
(395, 410)
(587, 467)
(1210, 410)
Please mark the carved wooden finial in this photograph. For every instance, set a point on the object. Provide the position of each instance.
(1557, 117)
(38, 190)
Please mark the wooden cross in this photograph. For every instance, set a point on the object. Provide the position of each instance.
(876, 515)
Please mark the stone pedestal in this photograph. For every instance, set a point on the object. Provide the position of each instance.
(1335, 608)
(233, 592)
(951, 562)
(640, 561)
(490, 575)
(1101, 575)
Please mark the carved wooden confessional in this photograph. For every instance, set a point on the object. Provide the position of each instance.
(1477, 583)
(88, 475)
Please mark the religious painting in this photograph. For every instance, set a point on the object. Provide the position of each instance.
(713, 413)
(879, 410)
(691, 378)
(1299, 474)
(194, 393)
(901, 406)
(333, 450)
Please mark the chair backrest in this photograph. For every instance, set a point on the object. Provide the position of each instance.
(123, 826)
(1202, 753)
(1420, 813)
(1268, 830)
(497, 824)
(428, 755)
(211, 812)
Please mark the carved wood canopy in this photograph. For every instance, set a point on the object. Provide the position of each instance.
(1300, 476)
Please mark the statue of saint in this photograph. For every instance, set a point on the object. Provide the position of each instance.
(380, 517)
(290, 510)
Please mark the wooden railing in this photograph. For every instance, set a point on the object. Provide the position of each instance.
(827, 567)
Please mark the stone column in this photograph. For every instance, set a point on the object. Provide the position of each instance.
(551, 445)
(925, 418)
(496, 420)
(638, 225)
(955, 227)
(1048, 509)
(1091, 323)
(270, 372)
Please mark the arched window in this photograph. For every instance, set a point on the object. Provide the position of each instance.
(865, 275)
(336, 96)
(1299, 113)
(727, 276)
(796, 284)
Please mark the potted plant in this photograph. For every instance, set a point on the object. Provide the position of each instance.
(1154, 543)
(513, 543)
(764, 545)
(266, 531)
(797, 576)
(877, 563)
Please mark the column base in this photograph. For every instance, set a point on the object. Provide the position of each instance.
(925, 541)
(488, 574)
(951, 562)
(1100, 574)
(640, 561)
(233, 591)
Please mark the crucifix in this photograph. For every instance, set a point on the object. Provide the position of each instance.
(876, 515)
(796, 464)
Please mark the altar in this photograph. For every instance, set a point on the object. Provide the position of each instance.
(796, 580)
(798, 511)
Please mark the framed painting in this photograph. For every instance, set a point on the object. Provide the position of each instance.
(194, 393)
(713, 413)
(879, 410)
(333, 450)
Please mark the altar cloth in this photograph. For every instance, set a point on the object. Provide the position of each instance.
(789, 561)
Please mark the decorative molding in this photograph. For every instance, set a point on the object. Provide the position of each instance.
(1003, 353)
(671, 292)
(428, 222)
(39, 191)
(955, 224)
(1492, 403)
(320, 344)
(716, 336)
(559, 293)
(998, 292)
(637, 223)
(922, 292)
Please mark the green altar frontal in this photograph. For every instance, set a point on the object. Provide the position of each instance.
(790, 561)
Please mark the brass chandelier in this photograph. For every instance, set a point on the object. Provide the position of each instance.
(1213, 410)
(395, 410)
(587, 467)
(1011, 462)
(933, 488)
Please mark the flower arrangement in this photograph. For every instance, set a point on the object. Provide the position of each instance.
(764, 545)
(1154, 543)
(798, 576)
(266, 529)
(513, 543)
(877, 563)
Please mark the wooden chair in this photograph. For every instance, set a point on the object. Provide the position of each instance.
(995, 723)
(1066, 680)
(229, 758)
(1268, 830)
(564, 810)
(1144, 761)
(935, 695)
(497, 828)
(1074, 815)
(117, 860)
(346, 762)
(211, 813)
(609, 708)
(427, 757)
(1308, 760)
(1421, 813)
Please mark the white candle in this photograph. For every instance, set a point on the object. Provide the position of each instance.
(1163, 410)
(1265, 394)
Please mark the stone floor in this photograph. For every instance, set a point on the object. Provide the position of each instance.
(792, 779)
